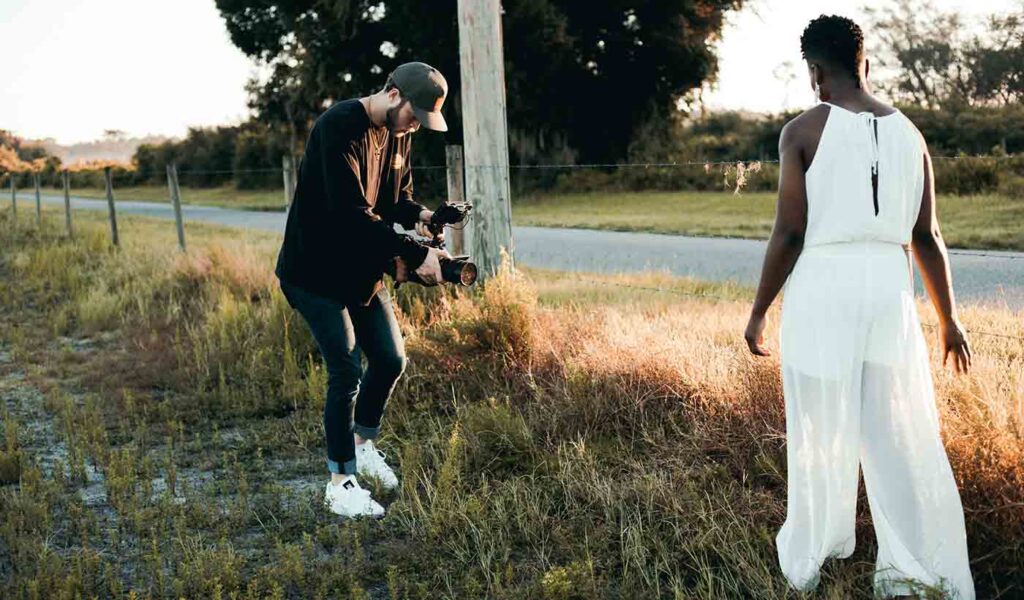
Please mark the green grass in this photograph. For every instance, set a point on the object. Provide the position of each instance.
(558, 436)
(980, 222)
(224, 196)
(987, 221)
(690, 213)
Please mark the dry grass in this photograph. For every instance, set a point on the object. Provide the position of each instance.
(557, 437)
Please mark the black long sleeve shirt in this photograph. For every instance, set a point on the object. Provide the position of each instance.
(354, 183)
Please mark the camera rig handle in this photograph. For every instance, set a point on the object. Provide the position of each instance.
(446, 214)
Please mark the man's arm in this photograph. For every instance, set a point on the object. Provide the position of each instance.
(933, 261)
(341, 182)
(787, 238)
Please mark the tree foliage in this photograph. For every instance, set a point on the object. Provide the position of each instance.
(940, 60)
(581, 76)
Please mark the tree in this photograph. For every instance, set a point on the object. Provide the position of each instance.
(579, 74)
(16, 155)
(939, 61)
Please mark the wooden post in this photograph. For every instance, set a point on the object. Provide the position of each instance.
(293, 176)
(110, 205)
(454, 236)
(172, 184)
(39, 202)
(66, 179)
(484, 132)
(14, 199)
(288, 173)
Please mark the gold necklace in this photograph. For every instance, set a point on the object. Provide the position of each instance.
(378, 147)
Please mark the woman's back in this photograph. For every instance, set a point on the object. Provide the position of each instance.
(866, 179)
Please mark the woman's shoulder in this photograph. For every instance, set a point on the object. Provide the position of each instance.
(812, 117)
(805, 127)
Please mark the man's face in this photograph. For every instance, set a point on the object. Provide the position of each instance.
(400, 118)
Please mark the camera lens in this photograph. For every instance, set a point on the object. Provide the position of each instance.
(468, 275)
(458, 270)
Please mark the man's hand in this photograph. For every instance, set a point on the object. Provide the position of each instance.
(401, 270)
(430, 271)
(423, 223)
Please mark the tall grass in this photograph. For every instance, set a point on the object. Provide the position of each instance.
(552, 441)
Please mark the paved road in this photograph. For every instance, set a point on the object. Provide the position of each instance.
(979, 276)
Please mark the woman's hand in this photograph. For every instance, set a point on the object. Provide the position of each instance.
(755, 335)
(954, 341)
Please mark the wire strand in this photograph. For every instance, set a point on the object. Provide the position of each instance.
(702, 163)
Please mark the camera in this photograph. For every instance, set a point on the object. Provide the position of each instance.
(459, 270)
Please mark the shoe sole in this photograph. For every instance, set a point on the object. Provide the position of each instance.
(355, 517)
(358, 517)
(327, 506)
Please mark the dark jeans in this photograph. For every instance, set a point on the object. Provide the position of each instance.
(343, 333)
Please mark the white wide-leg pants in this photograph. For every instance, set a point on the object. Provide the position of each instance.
(859, 392)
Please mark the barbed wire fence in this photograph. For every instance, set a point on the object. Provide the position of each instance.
(737, 170)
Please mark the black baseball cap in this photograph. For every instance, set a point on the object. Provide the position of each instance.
(425, 89)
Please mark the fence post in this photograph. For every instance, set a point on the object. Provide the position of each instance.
(39, 202)
(66, 177)
(288, 172)
(110, 205)
(14, 199)
(172, 184)
(454, 236)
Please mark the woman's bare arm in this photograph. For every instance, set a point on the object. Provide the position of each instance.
(787, 238)
(933, 262)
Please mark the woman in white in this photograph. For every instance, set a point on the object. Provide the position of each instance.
(855, 194)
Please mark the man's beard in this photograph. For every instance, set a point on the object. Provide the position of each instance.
(389, 120)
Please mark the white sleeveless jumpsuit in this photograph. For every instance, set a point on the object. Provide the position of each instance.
(856, 375)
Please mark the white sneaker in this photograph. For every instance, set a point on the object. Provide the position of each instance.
(349, 500)
(370, 463)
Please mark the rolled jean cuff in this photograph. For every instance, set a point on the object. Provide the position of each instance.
(367, 433)
(346, 468)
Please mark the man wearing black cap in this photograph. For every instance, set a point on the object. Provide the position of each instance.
(354, 184)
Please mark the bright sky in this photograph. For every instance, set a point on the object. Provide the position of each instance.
(78, 67)
(760, 39)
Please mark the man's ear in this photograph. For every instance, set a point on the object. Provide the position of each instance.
(394, 97)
